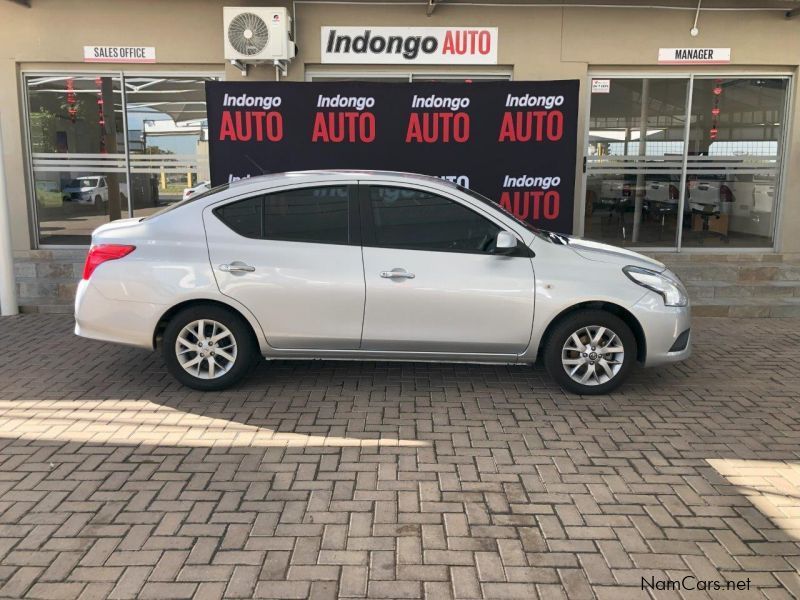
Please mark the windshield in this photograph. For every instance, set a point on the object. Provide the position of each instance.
(192, 198)
(83, 182)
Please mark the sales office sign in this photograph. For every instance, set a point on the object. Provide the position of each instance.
(409, 45)
(119, 54)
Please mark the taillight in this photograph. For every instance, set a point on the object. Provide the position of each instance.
(673, 192)
(102, 253)
(725, 194)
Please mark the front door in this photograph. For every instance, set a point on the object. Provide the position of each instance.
(433, 282)
(293, 258)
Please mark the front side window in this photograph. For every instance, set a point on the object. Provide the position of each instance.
(418, 220)
(313, 215)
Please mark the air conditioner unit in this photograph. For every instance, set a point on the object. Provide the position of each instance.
(257, 34)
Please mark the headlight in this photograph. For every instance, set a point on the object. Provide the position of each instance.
(666, 284)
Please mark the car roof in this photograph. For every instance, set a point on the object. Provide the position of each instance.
(339, 174)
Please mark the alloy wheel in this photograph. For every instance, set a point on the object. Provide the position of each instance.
(206, 349)
(592, 355)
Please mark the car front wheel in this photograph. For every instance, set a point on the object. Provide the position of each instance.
(208, 347)
(590, 352)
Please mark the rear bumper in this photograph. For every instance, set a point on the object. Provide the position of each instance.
(665, 330)
(119, 321)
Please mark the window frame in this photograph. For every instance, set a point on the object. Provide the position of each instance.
(368, 227)
(353, 217)
(691, 74)
(83, 70)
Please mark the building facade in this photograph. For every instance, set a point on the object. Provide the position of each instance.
(687, 144)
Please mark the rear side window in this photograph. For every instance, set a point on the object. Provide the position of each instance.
(314, 215)
(244, 217)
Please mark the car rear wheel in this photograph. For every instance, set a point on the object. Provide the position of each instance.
(590, 352)
(208, 347)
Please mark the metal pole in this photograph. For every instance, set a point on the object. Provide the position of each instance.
(124, 109)
(687, 131)
(639, 192)
(8, 287)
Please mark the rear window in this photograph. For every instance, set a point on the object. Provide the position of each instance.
(166, 209)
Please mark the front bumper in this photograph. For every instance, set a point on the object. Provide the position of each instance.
(79, 197)
(119, 321)
(663, 328)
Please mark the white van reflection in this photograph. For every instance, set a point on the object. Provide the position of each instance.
(89, 189)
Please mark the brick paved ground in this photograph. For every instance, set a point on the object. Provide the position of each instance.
(396, 481)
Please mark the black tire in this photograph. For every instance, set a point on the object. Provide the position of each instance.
(98, 201)
(572, 323)
(246, 356)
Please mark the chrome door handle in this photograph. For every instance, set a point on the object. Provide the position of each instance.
(397, 274)
(236, 267)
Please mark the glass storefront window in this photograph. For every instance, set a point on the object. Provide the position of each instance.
(77, 141)
(167, 139)
(634, 160)
(85, 171)
(734, 162)
(638, 192)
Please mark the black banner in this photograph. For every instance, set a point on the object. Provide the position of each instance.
(514, 142)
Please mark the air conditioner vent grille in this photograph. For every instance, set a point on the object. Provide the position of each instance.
(248, 34)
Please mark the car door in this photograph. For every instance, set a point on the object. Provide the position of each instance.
(292, 256)
(433, 281)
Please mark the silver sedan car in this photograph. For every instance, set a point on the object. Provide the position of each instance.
(373, 265)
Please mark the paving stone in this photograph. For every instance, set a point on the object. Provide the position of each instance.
(385, 480)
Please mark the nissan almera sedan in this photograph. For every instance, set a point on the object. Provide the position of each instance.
(373, 266)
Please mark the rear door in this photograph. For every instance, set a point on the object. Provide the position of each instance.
(433, 281)
(293, 257)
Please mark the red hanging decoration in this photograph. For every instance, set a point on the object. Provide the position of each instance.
(714, 131)
(101, 117)
(72, 100)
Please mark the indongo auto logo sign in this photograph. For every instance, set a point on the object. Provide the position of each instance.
(405, 45)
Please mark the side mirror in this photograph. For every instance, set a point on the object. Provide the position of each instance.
(506, 243)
